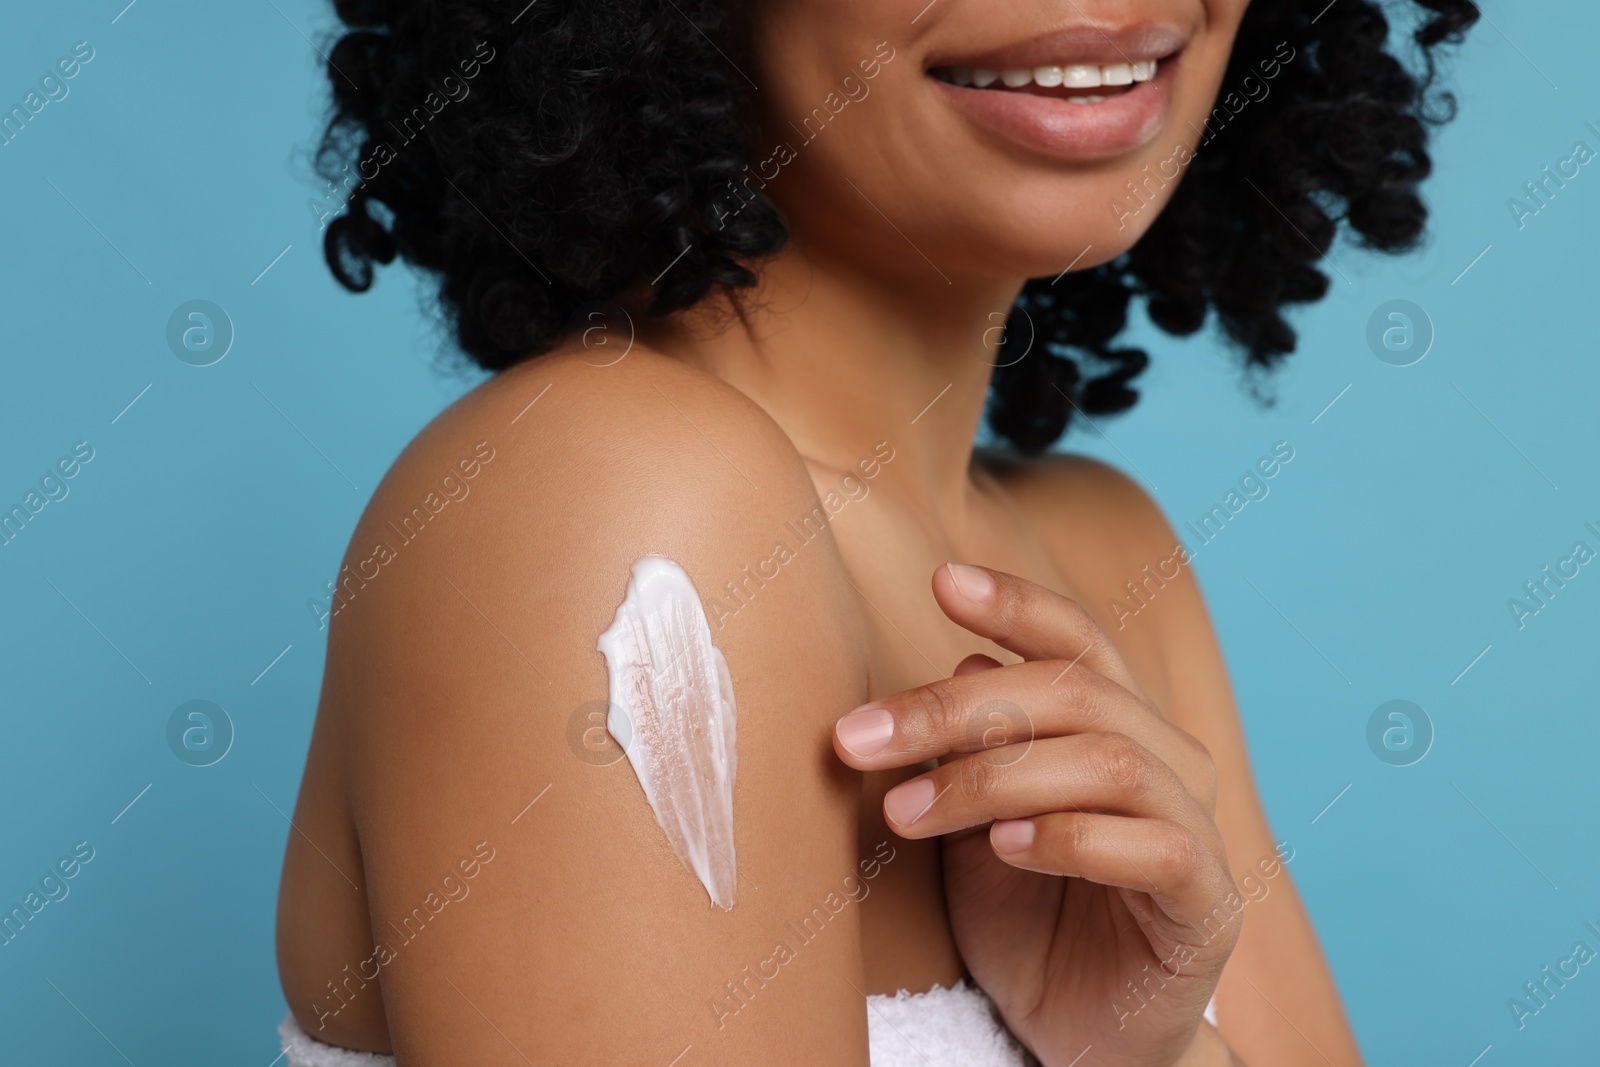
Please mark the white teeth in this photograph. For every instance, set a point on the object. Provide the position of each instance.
(1086, 99)
(1081, 76)
(1074, 76)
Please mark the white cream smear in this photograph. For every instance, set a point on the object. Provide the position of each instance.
(672, 712)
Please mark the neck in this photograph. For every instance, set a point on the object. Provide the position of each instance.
(843, 359)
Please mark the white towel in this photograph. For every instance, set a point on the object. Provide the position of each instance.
(956, 1027)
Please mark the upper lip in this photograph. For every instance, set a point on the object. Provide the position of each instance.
(1099, 45)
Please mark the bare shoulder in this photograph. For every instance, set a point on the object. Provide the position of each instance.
(1099, 525)
(467, 697)
(555, 472)
(1079, 500)
(1121, 556)
(562, 416)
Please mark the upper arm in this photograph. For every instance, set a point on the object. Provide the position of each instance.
(1169, 632)
(466, 673)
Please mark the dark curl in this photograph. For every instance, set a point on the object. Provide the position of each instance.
(538, 159)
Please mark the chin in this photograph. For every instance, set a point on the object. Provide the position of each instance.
(1061, 225)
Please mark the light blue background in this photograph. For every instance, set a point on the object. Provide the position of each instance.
(183, 558)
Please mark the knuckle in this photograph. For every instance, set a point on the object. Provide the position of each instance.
(1080, 624)
(1064, 691)
(1075, 695)
(935, 711)
(1079, 618)
(1177, 855)
(1095, 702)
(1120, 761)
(977, 779)
(1065, 676)
(1075, 832)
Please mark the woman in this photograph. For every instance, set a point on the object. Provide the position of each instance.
(752, 276)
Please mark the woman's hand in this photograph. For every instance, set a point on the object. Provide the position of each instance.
(1085, 877)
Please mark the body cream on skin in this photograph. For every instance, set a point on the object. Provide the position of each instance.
(672, 711)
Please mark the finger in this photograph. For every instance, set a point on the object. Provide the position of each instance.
(984, 709)
(1027, 619)
(975, 663)
(1108, 773)
(1193, 893)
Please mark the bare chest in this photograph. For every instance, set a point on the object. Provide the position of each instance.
(890, 559)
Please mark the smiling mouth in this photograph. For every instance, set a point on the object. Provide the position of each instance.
(1075, 93)
(1078, 83)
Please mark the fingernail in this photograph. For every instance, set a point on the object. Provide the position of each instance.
(1011, 835)
(907, 803)
(866, 732)
(971, 582)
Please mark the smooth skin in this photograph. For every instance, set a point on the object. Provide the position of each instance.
(455, 681)
(462, 672)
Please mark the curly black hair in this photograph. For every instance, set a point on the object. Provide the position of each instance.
(536, 161)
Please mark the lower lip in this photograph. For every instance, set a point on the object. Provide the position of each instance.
(1060, 129)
